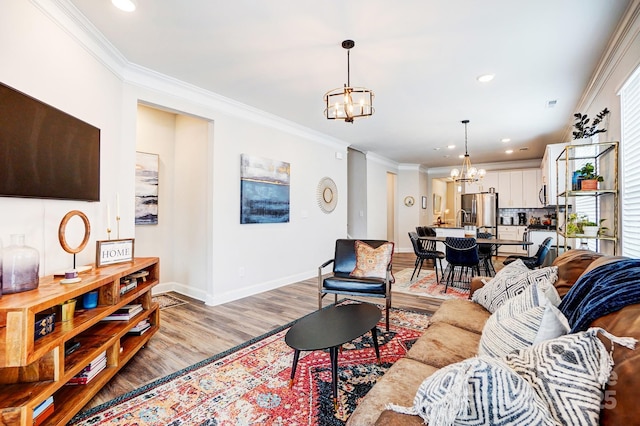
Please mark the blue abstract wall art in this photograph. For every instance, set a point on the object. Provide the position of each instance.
(264, 190)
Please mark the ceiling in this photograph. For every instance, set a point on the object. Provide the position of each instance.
(421, 58)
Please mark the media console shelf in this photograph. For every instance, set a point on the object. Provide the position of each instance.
(33, 370)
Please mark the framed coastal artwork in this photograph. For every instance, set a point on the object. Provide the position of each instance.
(264, 190)
(147, 169)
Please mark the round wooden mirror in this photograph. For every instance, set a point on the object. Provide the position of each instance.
(63, 227)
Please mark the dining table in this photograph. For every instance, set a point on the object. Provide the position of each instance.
(493, 241)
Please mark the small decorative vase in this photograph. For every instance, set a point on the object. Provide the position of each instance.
(581, 141)
(21, 265)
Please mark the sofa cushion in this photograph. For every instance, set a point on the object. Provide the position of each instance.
(569, 373)
(372, 262)
(398, 385)
(571, 264)
(478, 391)
(392, 418)
(443, 344)
(464, 314)
(506, 285)
(524, 320)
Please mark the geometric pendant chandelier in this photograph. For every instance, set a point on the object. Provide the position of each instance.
(468, 173)
(348, 103)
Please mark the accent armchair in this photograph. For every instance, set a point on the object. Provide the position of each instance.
(342, 280)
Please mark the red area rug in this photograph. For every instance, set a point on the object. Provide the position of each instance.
(425, 285)
(249, 384)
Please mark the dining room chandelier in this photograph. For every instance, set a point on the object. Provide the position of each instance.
(348, 103)
(467, 173)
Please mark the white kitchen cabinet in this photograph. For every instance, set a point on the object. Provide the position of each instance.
(519, 189)
(531, 185)
(511, 233)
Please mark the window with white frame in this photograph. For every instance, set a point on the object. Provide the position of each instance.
(630, 158)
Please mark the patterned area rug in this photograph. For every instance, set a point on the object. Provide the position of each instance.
(425, 285)
(249, 384)
(168, 301)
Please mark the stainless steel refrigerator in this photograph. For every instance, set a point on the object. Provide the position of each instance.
(481, 210)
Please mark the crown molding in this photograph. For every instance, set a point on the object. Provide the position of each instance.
(72, 21)
(377, 158)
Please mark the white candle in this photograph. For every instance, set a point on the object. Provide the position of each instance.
(117, 205)
(108, 216)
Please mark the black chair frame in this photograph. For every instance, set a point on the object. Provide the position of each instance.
(341, 282)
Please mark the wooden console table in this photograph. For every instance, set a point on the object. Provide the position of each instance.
(32, 370)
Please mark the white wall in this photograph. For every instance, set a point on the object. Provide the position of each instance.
(408, 217)
(41, 59)
(357, 203)
(49, 62)
(377, 168)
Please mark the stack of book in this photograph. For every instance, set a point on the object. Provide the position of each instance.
(127, 284)
(90, 371)
(125, 313)
(140, 328)
(42, 411)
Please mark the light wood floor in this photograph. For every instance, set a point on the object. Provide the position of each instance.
(192, 332)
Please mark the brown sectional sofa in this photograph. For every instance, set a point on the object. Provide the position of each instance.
(454, 335)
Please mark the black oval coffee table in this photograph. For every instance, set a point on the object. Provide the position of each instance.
(329, 328)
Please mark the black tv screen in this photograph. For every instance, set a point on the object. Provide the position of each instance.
(44, 152)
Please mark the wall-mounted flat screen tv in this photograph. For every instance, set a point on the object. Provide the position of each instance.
(44, 152)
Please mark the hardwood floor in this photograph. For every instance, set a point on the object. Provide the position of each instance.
(192, 332)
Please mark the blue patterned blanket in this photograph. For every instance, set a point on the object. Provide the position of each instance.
(601, 291)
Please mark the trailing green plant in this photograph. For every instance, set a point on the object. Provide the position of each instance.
(588, 172)
(585, 130)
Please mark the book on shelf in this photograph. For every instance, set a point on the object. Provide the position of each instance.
(90, 371)
(40, 418)
(140, 328)
(127, 285)
(40, 408)
(125, 313)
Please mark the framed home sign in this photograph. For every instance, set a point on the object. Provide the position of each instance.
(114, 251)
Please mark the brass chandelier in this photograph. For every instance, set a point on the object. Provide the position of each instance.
(468, 173)
(348, 103)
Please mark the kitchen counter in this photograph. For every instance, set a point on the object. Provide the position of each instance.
(541, 228)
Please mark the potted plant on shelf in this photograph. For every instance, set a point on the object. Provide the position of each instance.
(589, 178)
(583, 130)
(590, 229)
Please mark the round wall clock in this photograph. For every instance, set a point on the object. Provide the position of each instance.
(327, 195)
(409, 201)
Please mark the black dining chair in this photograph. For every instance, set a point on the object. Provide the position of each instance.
(426, 252)
(536, 261)
(462, 254)
(486, 252)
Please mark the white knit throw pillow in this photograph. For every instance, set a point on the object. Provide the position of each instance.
(526, 319)
(477, 391)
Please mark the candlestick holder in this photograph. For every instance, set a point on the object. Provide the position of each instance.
(118, 226)
(109, 233)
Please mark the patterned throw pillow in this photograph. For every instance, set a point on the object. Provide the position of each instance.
(569, 373)
(504, 286)
(477, 391)
(526, 319)
(372, 262)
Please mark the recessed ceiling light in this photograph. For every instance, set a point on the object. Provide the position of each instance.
(505, 140)
(509, 151)
(125, 5)
(461, 156)
(485, 78)
(436, 149)
(451, 146)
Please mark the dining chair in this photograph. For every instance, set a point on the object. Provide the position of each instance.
(423, 254)
(535, 261)
(486, 252)
(461, 253)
